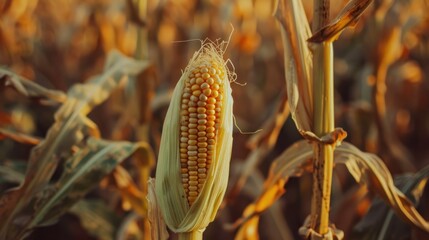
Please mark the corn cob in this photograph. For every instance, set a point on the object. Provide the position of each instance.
(196, 143)
(200, 117)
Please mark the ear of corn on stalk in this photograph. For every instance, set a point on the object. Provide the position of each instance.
(196, 143)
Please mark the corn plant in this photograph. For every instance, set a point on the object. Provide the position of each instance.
(72, 146)
(309, 80)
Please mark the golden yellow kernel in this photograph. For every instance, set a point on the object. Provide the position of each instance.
(202, 115)
(210, 112)
(210, 81)
(205, 75)
(192, 148)
(193, 194)
(202, 139)
(195, 87)
(211, 100)
(207, 91)
(201, 134)
(196, 93)
(202, 144)
(192, 153)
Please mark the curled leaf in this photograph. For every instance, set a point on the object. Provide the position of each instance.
(346, 18)
(370, 170)
(29, 88)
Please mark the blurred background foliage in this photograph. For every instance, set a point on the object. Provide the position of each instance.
(60, 43)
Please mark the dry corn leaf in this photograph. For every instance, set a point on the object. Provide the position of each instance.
(83, 171)
(132, 196)
(275, 218)
(366, 168)
(298, 62)
(29, 88)
(291, 163)
(71, 126)
(380, 221)
(348, 17)
(19, 137)
(370, 170)
(177, 212)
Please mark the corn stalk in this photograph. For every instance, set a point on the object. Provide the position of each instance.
(323, 103)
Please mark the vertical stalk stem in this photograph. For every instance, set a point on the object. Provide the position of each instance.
(142, 47)
(323, 89)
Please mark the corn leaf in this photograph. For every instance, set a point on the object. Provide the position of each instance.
(278, 228)
(348, 16)
(97, 219)
(71, 126)
(19, 137)
(380, 221)
(295, 31)
(132, 196)
(29, 88)
(370, 170)
(366, 169)
(291, 163)
(83, 172)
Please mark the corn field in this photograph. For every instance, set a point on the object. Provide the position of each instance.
(214, 119)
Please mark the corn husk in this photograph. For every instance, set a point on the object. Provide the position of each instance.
(178, 215)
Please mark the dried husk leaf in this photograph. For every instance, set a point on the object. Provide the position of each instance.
(158, 228)
(295, 31)
(169, 189)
